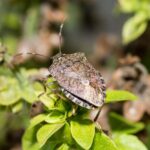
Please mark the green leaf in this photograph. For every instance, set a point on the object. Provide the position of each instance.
(129, 6)
(83, 132)
(46, 131)
(17, 107)
(9, 91)
(63, 147)
(29, 141)
(55, 117)
(38, 88)
(26, 87)
(51, 83)
(119, 95)
(134, 27)
(103, 142)
(50, 145)
(48, 101)
(128, 142)
(125, 126)
(37, 119)
(28, 93)
(67, 137)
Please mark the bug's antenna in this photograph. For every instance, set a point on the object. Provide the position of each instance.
(30, 53)
(60, 36)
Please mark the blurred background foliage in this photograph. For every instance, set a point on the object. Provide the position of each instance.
(115, 36)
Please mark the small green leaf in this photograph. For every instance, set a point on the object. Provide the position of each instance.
(46, 131)
(119, 95)
(28, 93)
(134, 27)
(37, 119)
(9, 91)
(17, 107)
(48, 101)
(38, 88)
(55, 117)
(29, 141)
(63, 147)
(125, 126)
(26, 87)
(129, 6)
(83, 132)
(128, 142)
(67, 137)
(64, 106)
(103, 142)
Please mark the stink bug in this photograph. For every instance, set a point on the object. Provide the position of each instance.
(78, 79)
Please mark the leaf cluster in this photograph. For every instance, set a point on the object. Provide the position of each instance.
(136, 25)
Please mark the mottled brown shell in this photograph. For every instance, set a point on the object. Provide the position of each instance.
(75, 74)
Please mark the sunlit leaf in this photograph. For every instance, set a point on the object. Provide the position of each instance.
(29, 141)
(129, 6)
(38, 88)
(119, 95)
(48, 100)
(64, 147)
(37, 119)
(55, 117)
(103, 142)
(9, 92)
(67, 137)
(83, 132)
(17, 107)
(134, 27)
(128, 142)
(46, 131)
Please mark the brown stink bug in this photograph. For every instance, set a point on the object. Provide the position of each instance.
(78, 79)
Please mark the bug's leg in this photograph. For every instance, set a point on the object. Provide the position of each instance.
(97, 115)
(46, 85)
(45, 88)
(40, 80)
(58, 92)
(49, 85)
(74, 110)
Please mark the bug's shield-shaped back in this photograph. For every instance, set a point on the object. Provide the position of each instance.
(76, 75)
